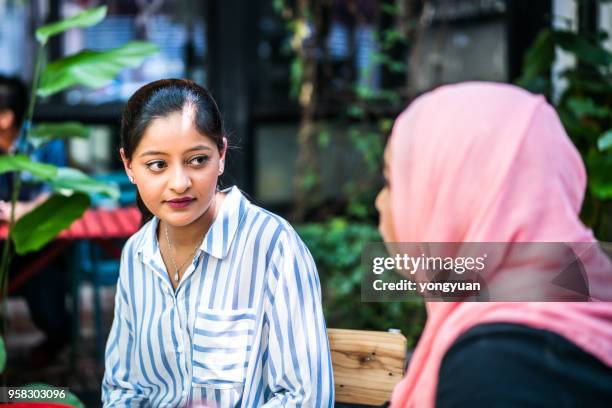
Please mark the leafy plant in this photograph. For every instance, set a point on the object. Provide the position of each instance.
(585, 108)
(337, 246)
(72, 189)
(361, 106)
(365, 112)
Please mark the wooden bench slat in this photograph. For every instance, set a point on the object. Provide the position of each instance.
(367, 364)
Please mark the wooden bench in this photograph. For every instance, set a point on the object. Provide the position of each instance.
(366, 364)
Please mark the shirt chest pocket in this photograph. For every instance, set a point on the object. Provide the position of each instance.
(221, 346)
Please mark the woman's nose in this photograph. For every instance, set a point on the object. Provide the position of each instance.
(180, 180)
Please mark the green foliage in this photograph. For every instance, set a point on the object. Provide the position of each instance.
(585, 109)
(540, 56)
(63, 179)
(586, 50)
(391, 9)
(390, 38)
(93, 69)
(45, 132)
(600, 177)
(309, 179)
(85, 19)
(278, 5)
(38, 227)
(338, 243)
(297, 72)
(370, 145)
(70, 180)
(605, 141)
(356, 112)
(581, 107)
(89, 68)
(20, 162)
(392, 64)
(324, 138)
(336, 247)
(42, 224)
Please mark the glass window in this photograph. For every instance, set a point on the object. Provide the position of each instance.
(177, 28)
(15, 44)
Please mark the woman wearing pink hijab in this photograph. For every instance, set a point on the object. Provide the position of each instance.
(484, 162)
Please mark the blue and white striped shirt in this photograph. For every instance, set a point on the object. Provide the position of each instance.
(244, 328)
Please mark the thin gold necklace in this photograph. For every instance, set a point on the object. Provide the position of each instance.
(177, 269)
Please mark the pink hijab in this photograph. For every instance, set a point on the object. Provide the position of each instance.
(485, 162)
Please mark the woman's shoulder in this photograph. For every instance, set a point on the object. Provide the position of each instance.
(274, 231)
(257, 215)
(140, 238)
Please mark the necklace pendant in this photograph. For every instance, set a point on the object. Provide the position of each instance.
(176, 277)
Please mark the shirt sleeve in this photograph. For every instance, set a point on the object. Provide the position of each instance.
(53, 153)
(298, 370)
(119, 385)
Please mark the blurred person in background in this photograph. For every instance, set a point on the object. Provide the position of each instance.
(483, 162)
(45, 291)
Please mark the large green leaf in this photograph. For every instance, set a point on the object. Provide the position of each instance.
(70, 180)
(21, 162)
(605, 141)
(540, 56)
(584, 49)
(65, 180)
(69, 398)
(87, 18)
(45, 132)
(2, 355)
(92, 68)
(581, 83)
(41, 225)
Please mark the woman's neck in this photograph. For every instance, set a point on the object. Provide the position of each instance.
(187, 236)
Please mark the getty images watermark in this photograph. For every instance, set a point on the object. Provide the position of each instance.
(411, 264)
(491, 271)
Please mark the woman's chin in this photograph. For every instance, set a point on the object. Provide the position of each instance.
(178, 220)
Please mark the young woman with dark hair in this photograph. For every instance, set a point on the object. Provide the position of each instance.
(218, 301)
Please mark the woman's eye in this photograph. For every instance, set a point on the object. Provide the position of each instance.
(156, 165)
(199, 160)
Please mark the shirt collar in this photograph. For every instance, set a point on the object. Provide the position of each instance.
(220, 235)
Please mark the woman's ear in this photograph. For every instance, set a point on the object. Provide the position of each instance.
(224, 151)
(222, 156)
(127, 165)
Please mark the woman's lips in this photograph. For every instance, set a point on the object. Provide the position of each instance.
(180, 203)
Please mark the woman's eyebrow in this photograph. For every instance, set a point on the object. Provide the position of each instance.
(198, 147)
(159, 153)
(153, 153)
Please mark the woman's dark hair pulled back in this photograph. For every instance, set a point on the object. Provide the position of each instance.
(159, 99)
